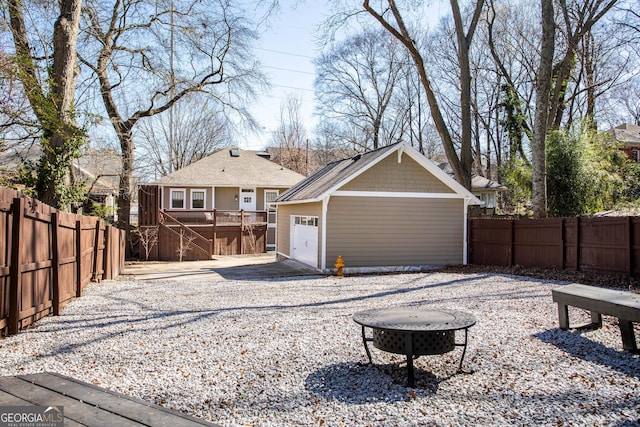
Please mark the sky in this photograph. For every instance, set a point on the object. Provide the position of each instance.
(286, 51)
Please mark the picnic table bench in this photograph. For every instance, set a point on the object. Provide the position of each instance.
(623, 305)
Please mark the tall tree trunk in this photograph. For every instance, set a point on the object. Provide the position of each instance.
(464, 43)
(54, 110)
(543, 88)
(588, 43)
(461, 165)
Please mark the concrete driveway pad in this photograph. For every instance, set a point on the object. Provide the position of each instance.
(241, 267)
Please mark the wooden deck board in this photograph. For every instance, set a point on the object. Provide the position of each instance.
(7, 399)
(86, 404)
(73, 409)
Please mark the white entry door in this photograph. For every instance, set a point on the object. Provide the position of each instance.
(248, 199)
(304, 239)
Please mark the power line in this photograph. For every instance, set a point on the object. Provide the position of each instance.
(289, 69)
(294, 88)
(285, 53)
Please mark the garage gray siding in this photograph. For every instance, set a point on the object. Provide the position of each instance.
(381, 231)
(283, 227)
(389, 175)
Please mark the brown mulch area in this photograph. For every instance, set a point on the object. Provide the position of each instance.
(584, 277)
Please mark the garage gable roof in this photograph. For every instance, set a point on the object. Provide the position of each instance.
(336, 174)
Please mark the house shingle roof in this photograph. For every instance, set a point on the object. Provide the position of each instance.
(627, 133)
(247, 169)
(478, 183)
(332, 174)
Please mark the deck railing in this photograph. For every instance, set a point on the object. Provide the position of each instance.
(209, 233)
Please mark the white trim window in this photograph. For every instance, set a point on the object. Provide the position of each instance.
(635, 155)
(198, 198)
(177, 199)
(270, 196)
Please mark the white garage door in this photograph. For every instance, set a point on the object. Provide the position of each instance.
(304, 239)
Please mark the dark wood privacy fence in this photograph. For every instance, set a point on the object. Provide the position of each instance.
(602, 245)
(48, 257)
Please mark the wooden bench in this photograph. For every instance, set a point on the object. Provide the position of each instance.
(623, 305)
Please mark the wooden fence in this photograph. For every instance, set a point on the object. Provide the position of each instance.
(48, 257)
(602, 245)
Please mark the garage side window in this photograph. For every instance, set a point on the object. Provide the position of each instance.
(177, 199)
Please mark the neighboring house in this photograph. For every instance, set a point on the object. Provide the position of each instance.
(228, 180)
(627, 135)
(487, 191)
(388, 209)
(483, 188)
(97, 169)
(100, 171)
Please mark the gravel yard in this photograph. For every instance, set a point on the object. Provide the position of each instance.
(286, 352)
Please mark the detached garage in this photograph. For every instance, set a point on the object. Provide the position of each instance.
(388, 209)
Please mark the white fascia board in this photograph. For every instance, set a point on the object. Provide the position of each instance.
(299, 202)
(397, 194)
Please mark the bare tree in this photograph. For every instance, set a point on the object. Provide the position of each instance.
(185, 243)
(171, 142)
(49, 83)
(290, 138)
(355, 84)
(393, 21)
(148, 55)
(148, 236)
(579, 17)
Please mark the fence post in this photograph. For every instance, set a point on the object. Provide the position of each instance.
(15, 275)
(55, 224)
(469, 235)
(578, 243)
(562, 238)
(629, 243)
(213, 235)
(512, 237)
(241, 231)
(79, 258)
(96, 276)
(106, 260)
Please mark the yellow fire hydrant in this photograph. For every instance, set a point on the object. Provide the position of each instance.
(339, 265)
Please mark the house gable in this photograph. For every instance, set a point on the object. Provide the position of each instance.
(391, 175)
(338, 176)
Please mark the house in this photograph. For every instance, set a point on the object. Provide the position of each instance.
(627, 135)
(483, 188)
(231, 186)
(388, 209)
(98, 170)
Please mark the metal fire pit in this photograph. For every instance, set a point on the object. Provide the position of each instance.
(414, 331)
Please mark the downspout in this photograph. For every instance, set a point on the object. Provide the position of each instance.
(323, 232)
(464, 234)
